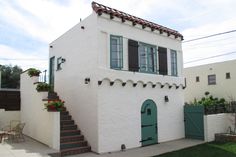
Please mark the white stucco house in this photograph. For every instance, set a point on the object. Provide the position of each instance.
(216, 78)
(121, 78)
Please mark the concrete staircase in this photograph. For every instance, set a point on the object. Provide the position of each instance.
(71, 140)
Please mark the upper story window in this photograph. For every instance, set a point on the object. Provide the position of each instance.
(211, 79)
(147, 58)
(227, 75)
(173, 55)
(197, 79)
(116, 52)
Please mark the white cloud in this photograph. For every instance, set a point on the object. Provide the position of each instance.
(210, 46)
(48, 20)
(12, 56)
(45, 20)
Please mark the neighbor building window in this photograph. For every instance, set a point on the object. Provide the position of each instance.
(197, 79)
(211, 79)
(173, 55)
(227, 75)
(147, 58)
(116, 52)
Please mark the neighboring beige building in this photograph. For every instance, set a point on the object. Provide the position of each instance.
(218, 78)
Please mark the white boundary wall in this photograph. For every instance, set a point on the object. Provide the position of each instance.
(41, 125)
(217, 123)
(7, 116)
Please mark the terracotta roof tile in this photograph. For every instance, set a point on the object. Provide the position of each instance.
(99, 9)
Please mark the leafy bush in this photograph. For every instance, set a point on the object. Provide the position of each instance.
(41, 86)
(55, 105)
(33, 72)
(209, 100)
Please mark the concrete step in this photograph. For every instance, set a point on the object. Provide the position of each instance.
(47, 99)
(77, 150)
(70, 132)
(67, 122)
(69, 127)
(65, 117)
(72, 138)
(52, 94)
(64, 113)
(68, 145)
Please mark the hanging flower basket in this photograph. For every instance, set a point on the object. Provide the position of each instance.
(55, 106)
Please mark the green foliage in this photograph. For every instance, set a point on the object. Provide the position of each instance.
(10, 76)
(41, 86)
(213, 149)
(55, 105)
(33, 72)
(209, 100)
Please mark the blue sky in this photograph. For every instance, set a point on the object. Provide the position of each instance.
(28, 26)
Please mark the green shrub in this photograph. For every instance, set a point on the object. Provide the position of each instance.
(41, 86)
(33, 72)
(209, 100)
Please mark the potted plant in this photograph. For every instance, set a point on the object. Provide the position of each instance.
(55, 105)
(43, 87)
(33, 72)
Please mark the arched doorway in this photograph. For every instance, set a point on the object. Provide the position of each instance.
(149, 123)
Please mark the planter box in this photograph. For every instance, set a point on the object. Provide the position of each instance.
(224, 137)
(55, 110)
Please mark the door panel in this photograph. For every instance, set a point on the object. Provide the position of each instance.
(194, 122)
(51, 72)
(149, 123)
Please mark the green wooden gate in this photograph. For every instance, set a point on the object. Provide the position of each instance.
(194, 123)
(149, 123)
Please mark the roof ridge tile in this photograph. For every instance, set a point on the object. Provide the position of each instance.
(100, 8)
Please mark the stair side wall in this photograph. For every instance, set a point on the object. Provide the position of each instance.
(40, 124)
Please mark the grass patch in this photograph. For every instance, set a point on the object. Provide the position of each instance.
(212, 149)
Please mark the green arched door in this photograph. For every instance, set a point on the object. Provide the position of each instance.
(149, 123)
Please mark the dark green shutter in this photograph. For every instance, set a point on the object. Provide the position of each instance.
(133, 55)
(162, 54)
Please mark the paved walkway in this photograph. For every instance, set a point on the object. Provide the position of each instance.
(149, 150)
(29, 148)
(32, 148)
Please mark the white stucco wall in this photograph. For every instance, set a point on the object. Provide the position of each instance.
(79, 48)
(120, 114)
(224, 87)
(41, 125)
(101, 111)
(217, 123)
(7, 116)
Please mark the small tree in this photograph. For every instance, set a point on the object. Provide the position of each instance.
(10, 76)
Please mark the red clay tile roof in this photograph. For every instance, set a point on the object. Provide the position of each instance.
(99, 9)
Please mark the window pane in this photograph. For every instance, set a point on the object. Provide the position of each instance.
(116, 52)
(211, 79)
(173, 55)
(227, 75)
(147, 59)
